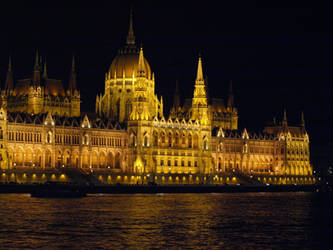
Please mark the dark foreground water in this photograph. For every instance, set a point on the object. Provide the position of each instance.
(224, 221)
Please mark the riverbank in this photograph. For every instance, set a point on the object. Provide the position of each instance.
(131, 189)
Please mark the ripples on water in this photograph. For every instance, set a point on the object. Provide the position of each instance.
(225, 221)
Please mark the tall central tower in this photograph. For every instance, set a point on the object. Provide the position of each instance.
(121, 82)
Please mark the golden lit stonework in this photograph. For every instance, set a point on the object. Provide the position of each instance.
(43, 135)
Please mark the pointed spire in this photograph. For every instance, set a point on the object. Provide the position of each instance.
(9, 63)
(199, 101)
(45, 71)
(36, 74)
(200, 78)
(302, 120)
(231, 96)
(73, 64)
(141, 65)
(176, 99)
(284, 121)
(72, 77)
(36, 61)
(9, 83)
(130, 40)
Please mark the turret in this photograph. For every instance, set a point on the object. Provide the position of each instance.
(45, 71)
(5, 161)
(72, 78)
(302, 123)
(141, 65)
(284, 121)
(73, 92)
(9, 84)
(176, 98)
(36, 73)
(231, 96)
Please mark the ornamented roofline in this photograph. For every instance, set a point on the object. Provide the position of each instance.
(76, 122)
(176, 123)
(232, 134)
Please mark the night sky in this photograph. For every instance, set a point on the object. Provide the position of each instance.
(276, 57)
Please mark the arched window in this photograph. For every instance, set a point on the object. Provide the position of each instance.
(195, 141)
(117, 160)
(145, 141)
(176, 139)
(155, 139)
(205, 145)
(49, 137)
(190, 141)
(163, 138)
(128, 109)
(170, 139)
(118, 108)
(220, 147)
(1, 133)
(183, 138)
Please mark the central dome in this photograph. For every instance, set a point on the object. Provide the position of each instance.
(125, 64)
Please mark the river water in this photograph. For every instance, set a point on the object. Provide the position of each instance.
(143, 221)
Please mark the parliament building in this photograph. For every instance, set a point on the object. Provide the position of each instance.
(44, 135)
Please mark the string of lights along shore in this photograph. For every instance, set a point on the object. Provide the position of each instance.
(130, 139)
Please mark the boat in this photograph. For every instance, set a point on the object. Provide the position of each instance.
(58, 190)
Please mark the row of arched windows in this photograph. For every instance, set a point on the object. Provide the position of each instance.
(25, 136)
(67, 139)
(106, 141)
(175, 140)
(176, 163)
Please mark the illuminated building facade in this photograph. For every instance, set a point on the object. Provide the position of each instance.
(42, 129)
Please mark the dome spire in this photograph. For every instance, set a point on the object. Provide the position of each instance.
(130, 40)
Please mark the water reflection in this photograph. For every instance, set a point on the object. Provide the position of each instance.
(258, 220)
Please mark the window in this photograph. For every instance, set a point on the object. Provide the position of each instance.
(145, 141)
(162, 163)
(128, 108)
(183, 163)
(155, 139)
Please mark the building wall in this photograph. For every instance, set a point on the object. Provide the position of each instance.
(49, 146)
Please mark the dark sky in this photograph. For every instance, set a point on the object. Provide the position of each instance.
(278, 57)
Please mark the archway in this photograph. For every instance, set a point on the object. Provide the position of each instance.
(117, 161)
(110, 160)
